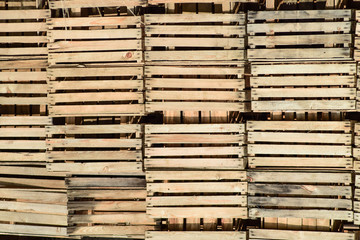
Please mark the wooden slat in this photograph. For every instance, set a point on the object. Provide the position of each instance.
(196, 83)
(99, 168)
(183, 70)
(223, 187)
(201, 55)
(198, 95)
(93, 129)
(23, 27)
(191, 235)
(108, 194)
(132, 206)
(34, 207)
(22, 76)
(94, 97)
(106, 45)
(281, 81)
(33, 230)
(193, 138)
(22, 157)
(300, 162)
(113, 218)
(304, 105)
(111, 231)
(194, 212)
(194, 151)
(95, 85)
(24, 14)
(23, 88)
(298, 235)
(195, 163)
(196, 200)
(54, 4)
(94, 34)
(193, 18)
(93, 72)
(34, 195)
(196, 175)
(303, 93)
(194, 128)
(95, 57)
(23, 144)
(46, 219)
(194, 106)
(299, 125)
(93, 155)
(93, 21)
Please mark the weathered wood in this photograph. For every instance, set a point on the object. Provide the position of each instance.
(24, 14)
(298, 235)
(55, 4)
(98, 168)
(196, 200)
(194, 212)
(196, 175)
(195, 235)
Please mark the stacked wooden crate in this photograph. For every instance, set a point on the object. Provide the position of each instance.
(96, 100)
(301, 67)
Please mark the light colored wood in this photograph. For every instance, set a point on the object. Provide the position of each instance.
(35, 195)
(304, 105)
(196, 200)
(198, 163)
(94, 57)
(93, 21)
(302, 177)
(28, 182)
(194, 128)
(94, 34)
(195, 212)
(185, 70)
(111, 231)
(23, 144)
(106, 45)
(195, 83)
(94, 85)
(23, 27)
(194, 138)
(299, 14)
(24, 14)
(93, 155)
(94, 97)
(92, 72)
(210, 187)
(281, 81)
(98, 168)
(33, 230)
(194, 106)
(23, 39)
(34, 207)
(195, 235)
(325, 214)
(299, 162)
(133, 206)
(93, 129)
(196, 175)
(201, 55)
(193, 18)
(45, 219)
(22, 157)
(299, 125)
(303, 93)
(22, 76)
(194, 151)
(199, 95)
(23, 88)
(298, 235)
(54, 4)
(113, 218)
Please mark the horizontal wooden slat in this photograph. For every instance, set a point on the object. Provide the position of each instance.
(108, 205)
(197, 212)
(22, 157)
(94, 3)
(184, 70)
(89, 182)
(22, 76)
(300, 162)
(23, 27)
(303, 177)
(34, 195)
(23, 39)
(194, 106)
(93, 155)
(196, 83)
(93, 21)
(303, 93)
(33, 230)
(223, 187)
(94, 34)
(307, 190)
(46, 219)
(108, 194)
(118, 218)
(196, 200)
(111, 231)
(93, 72)
(52, 209)
(299, 202)
(41, 183)
(24, 14)
(22, 132)
(304, 105)
(93, 129)
(23, 100)
(105, 45)
(28, 171)
(23, 144)
(298, 235)
(196, 175)
(23, 88)
(281, 81)
(280, 213)
(193, 138)
(24, 51)
(99, 168)
(194, 128)
(196, 95)
(95, 85)
(193, 18)
(195, 55)
(193, 151)
(336, 138)
(299, 125)
(191, 235)
(299, 14)
(94, 97)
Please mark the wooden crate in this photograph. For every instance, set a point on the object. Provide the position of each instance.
(194, 37)
(56, 4)
(258, 234)
(357, 36)
(195, 88)
(194, 171)
(190, 235)
(299, 35)
(306, 144)
(108, 207)
(356, 149)
(22, 140)
(299, 86)
(300, 194)
(104, 91)
(17, 5)
(357, 199)
(358, 88)
(23, 34)
(33, 211)
(95, 149)
(95, 40)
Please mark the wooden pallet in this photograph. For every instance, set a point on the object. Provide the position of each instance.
(108, 207)
(95, 40)
(190, 235)
(26, 28)
(107, 91)
(307, 87)
(212, 158)
(56, 4)
(306, 144)
(321, 35)
(356, 149)
(22, 140)
(357, 199)
(195, 88)
(194, 37)
(300, 194)
(33, 211)
(357, 36)
(80, 149)
(258, 234)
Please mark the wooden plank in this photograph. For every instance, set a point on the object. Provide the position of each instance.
(281, 81)
(94, 3)
(33, 230)
(344, 27)
(23, 88)
(97, 110)
(46, 219)
(193, 138)
(196, 212)
(23, 27)
(22, 76)
(303, 93)
(303, 68)
(196, 42)
(41, 183)
(93, 72)
(193, 151)
(194, 18)
(300, 53)
(185, 70)
(198, 95)
(195, 235)
(24, 14)
(194, 128)
(308, 190)
(94, 97)
(106, 45)
(99, 168)
(288, 149)
(95, 85)
(93, 129)
(23, 100)
(34, 195)
(196, 83)
(195, 163)
(22, 132)
(93, 21)
(29, 171)
(94, 34)
(93, 155)
(299, 125)
(209, 187)
(23, 144)
(193, 30)
(299, 14)
(280, 213)
(305, 105)
(133, 206)
(113, 218)
(194, 106)
(195, 1)
(201, 55)
(23, 39)
(299, 202)
(300, 162)
(303, 177)
(88, 182)
(22, 157)
(34, 207)
(108, 194)
(195, 175)
(339, 138)
(196, 200)
(298, 235)
(24, 51)
(111, 231)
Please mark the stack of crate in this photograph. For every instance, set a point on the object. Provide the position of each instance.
(301, 70)
(96, 102)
